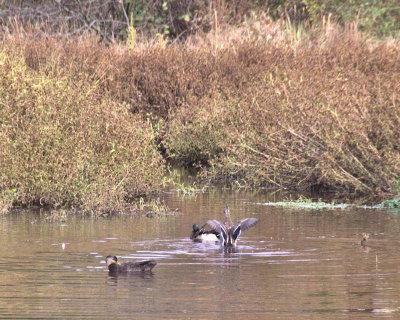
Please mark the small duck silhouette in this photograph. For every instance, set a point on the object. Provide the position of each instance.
(115, 268)
(229, 233)
(365, 237)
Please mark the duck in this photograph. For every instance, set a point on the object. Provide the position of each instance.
(202, 235)
(229, 233)
(115, 268)
(365, 237)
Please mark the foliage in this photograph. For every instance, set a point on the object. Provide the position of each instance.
(305, 203)
(391, 204)
(152, 208)
(84, 125)
(176, 19)
(307, 116)
(64, 143)
(131, 36)
(380, 18)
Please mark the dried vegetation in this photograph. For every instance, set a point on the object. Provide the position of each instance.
(265, 104)
(63, 140)
(321, 112)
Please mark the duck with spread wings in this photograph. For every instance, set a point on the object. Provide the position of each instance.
(229, 233)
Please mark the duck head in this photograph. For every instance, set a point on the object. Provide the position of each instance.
(111, 260)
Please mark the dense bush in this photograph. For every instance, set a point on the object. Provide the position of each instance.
(324, 114)
(376, 17)
(63, 142)
(84, 125)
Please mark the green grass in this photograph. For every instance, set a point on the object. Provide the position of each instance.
(391, 204)
(305, 203)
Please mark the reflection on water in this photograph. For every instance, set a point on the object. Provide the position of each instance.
(294, 264)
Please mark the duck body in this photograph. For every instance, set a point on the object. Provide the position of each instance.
(114, 267)
(365, 237)
(202, 235)
(229, 233)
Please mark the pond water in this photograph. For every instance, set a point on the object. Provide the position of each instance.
(294, 264)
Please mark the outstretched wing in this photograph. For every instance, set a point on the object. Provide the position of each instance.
(246, 223)
(214, 225)
(243, 225)
(219, 227)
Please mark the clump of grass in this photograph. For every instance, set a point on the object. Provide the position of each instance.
(305, 203)
(63, 142)
(152, 208)
(7, 199)
(59, 216)
(189, 190)
(391, 204)
(313, 115)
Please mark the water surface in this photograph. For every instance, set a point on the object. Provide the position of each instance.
(294, 264)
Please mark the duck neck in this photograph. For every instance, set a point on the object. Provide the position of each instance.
(113, 267)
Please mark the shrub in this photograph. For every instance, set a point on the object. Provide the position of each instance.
(63, 142)
(378, 18)
(323, 114)
(262, 104)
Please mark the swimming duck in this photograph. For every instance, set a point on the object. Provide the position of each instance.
(200, 234)
(229, 233)
(114, 267)
(365, 237)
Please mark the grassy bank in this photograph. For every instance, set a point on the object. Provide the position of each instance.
(65, 142)
(319, 110)
(265, 104)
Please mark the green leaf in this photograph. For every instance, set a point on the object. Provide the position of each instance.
(185, 17)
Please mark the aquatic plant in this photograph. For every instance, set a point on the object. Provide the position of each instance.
(189, 190)
(306, 203)
(59, 215)
(391, 203)
(152, 208)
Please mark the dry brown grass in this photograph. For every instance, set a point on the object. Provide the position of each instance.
(268, 104)
(319, 113)
(64, 141)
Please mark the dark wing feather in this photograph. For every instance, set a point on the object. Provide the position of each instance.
(215, 225)
(147, 265)
(224, 236)
(237, 231)
(142, 266)
(246, 223)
